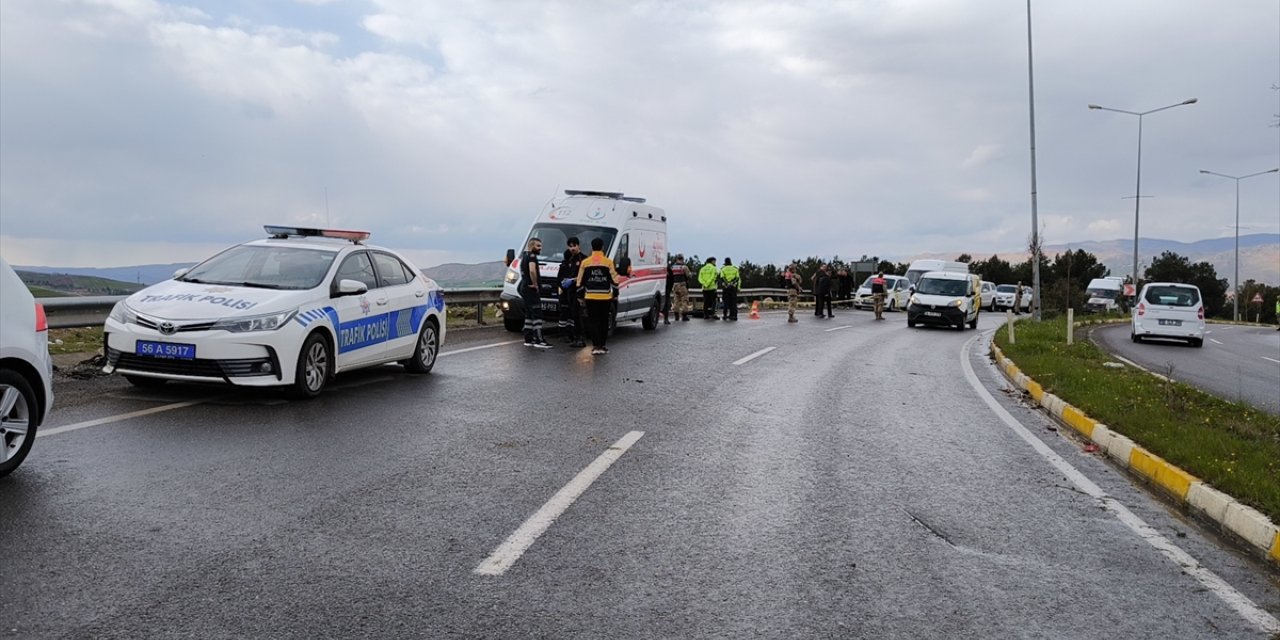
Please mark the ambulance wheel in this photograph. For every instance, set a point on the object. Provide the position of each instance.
(514, 325)
(143, 382)
(911, 324)
(315, 362)
(973, 324)
(613, 318)
(424, 355)
(650, 320)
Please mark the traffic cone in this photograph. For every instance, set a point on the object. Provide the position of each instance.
(755, 309)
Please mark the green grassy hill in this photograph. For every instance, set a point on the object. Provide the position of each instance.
(60, 284)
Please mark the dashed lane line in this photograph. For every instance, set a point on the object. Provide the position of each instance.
(1271, 359)
(481, 347)
(753, 356)
(509, 551)
(1239, 602)
(1214, 341)
(836, 328)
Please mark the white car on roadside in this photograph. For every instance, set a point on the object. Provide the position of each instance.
(1169, 310)
(289, 310)
(896, 293)
(26, 371)
(1006, 294)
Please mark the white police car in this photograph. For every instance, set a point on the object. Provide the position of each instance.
(293, 309)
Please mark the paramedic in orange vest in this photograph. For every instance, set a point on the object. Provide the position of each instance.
(877, 294)
(597, 279)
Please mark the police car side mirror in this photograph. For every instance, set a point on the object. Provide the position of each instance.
(350, 288)
(179, 273)
(510, 257)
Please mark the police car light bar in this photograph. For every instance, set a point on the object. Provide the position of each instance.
(284, 232)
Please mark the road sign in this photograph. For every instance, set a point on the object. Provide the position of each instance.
(1128, 291)
(1257, 298)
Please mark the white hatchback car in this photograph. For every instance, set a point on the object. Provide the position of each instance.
(1169, 310)
(26, 371)
(896, 293)
(290, 310)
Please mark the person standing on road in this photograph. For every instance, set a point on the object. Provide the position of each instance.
(1017, 300)
(732, 279)
(791, 279)
(877, 294)
(597, 278)
(822, 292)
(1277, 313)
(678, 286)
(570, 310)
(846, 287)
(531, 296)
(707, 277)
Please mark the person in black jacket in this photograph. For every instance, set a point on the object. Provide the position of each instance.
(570, 308)
(822, 292)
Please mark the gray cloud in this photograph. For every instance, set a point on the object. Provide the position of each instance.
(767, 130)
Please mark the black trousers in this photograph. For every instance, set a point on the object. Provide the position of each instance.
(598, 321)
(731, 303)
(708, 303)
(823, 302)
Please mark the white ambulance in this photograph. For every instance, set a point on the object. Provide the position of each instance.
(634, 235)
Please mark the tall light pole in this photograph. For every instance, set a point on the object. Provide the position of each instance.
(1235, 311)
(1137, 194)
(1035, 225)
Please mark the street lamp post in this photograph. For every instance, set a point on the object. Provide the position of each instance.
(1137, 194)
(1235, 310)
(1035, 228)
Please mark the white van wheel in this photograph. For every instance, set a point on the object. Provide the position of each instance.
(650, 319)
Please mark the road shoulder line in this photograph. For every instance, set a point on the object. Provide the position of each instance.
(1237, 601)
(1241, 520)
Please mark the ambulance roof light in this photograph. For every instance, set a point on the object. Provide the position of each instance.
(595, 194)
(282, 232)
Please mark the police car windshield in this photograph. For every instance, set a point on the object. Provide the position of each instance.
(554, 237)
(267, 267)
(940, 287)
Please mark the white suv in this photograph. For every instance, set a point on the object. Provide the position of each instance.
(1169, 310)
(26, 371)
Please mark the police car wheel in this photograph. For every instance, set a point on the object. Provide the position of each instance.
(424, 355)
(18, 424)
(143, 382)
(313, 367)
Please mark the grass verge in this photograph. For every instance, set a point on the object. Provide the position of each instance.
(1233, 447)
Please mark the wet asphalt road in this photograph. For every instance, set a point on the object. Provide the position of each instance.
(1238, 363)
(849, 483)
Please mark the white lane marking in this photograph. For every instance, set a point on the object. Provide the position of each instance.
(753, 356)
(509, 551)
(836, 328)
(1139, 367)
(1214, 341)
(117, 418)
(1271, 359)
(190, 403)
(1225, 592)
(483, 346)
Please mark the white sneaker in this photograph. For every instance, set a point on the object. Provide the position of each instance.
(597, 352)
(540, 345)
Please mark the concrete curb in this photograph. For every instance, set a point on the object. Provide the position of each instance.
(1243, 521)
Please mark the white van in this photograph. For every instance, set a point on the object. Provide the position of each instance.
(921, 267)
(1104, 294)
(634, 235)
(946, 298)
(1169, 310)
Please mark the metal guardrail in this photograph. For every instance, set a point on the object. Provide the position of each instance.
(91, 311)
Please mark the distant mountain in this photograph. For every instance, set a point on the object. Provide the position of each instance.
(462, 276)
(145, 274)
(1259, 254)
(45, 285)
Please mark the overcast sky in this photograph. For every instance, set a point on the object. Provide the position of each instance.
(137, 131)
